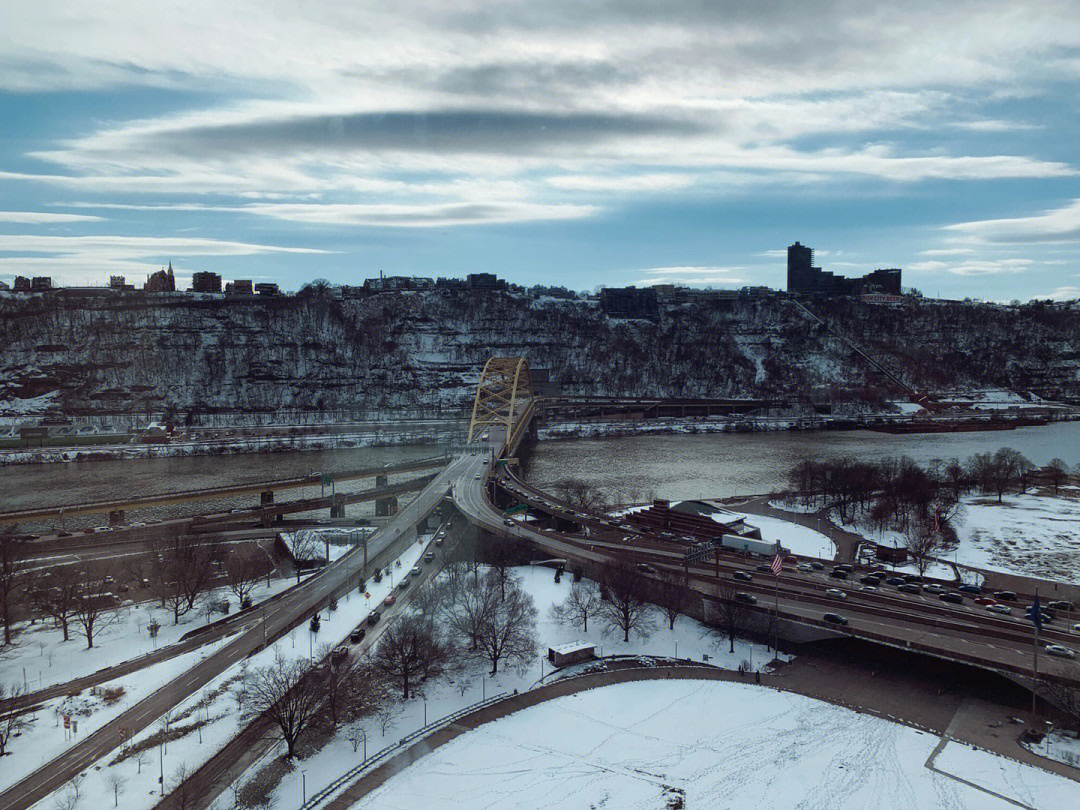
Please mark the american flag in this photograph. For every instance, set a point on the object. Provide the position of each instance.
(777, 564)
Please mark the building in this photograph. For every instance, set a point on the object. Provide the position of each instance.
(483, 281)
(573, 653)
(629, 302)
(203, 282)
(22, 284)
(40, 283)
(161, 281)
(805, 279)
(119, 283)
(267, 288)
(240, 286)
(398, 283)
(4, 286)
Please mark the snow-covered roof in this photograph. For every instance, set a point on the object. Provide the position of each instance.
(572, 647)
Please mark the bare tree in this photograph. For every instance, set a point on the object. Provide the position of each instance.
(116, 782)
(355, 734)
(353, 688)
(13, 723)
(244, 570)
(627, 606)
(67, 799)
(305, 548)
(922, 542)
(470, 608)
(12, 571)
(580, 605)
(1010, 467)
(579, 493)
(281, 692)
(96, 606)
(672, 594)
(140, 758)
(59, 595)
(180, 571)
(1066, 697)
(731, 614)
(509, 632)
(412, 648)
(501, 555)
(182, 795)
(1058, 473)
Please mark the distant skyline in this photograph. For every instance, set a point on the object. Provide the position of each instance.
(576, 144)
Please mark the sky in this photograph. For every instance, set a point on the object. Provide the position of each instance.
(558, 142)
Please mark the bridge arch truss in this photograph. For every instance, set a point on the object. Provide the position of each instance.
(503, 396)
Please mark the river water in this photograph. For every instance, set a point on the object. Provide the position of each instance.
(639, 468)
(631, 468)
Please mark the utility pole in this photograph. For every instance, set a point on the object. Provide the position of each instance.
(1036, 619)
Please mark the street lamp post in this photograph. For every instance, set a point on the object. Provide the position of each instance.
(303, 786)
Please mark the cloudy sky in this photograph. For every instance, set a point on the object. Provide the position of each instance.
(554, 141)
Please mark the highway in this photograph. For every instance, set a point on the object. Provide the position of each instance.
(921, 622)
(276, 619)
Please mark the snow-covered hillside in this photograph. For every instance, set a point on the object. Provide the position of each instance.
(184, 353)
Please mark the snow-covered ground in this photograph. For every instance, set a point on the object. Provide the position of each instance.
(718, 744)
(801, 540)
(1062, 746)
(689, 639)
(1035, 535)
(216, 703)
(46, 739)
(42, 657)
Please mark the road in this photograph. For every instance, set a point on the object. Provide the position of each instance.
(275, 620)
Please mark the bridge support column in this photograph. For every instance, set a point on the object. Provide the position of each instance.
(382, 481)
(337, 506)
(384, 507)
(266, 498)
(116, 517)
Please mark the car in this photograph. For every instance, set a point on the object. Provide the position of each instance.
(508, 522)
(742, 576)
(870, 579)
(817, 566)
(933, 587)
(339, 654)
(764, 567)
(895, 581)
(952, 597)
(373, 617)
(62, 533)
(645, 568)
(985, 600)
(1061, 604)
(844, 567)
(973, 589)
(1048, 615)
(804, 567)
(869, 588)
(389, 600)
(357, 635)
(429, 557)
(1076, 628)
(837, 573)
(836, 593)
(477, 477)
(438, 542)
(834, 618)
(403, 584)
(1005, 596)
(1060, 650)
(912, 578)
(747, 598)
(909, 587)
(997, 607)
(416, 570)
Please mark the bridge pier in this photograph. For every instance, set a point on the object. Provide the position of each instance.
(337, 506)
(116, 517)
(266, 498)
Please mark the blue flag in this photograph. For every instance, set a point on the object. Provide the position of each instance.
(1036, 613)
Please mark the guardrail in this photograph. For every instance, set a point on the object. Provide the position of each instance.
(400, 745)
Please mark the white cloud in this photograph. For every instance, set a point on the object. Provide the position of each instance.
(43, 218)
(419, 216)
(629, 183)
(974, 267)
(691, 276)
(1067, 293)
(1058, 225)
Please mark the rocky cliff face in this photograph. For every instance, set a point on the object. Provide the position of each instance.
(424, 350)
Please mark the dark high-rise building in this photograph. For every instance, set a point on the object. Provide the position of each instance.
(805, 279)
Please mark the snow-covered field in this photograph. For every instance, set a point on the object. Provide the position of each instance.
(689, 639)
(46, 739)
(42, 658)
(216, 704)
(719, 744)
(801, 540)
(1035, 535)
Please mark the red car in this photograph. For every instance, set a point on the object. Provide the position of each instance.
(388, 601)
(985, 600)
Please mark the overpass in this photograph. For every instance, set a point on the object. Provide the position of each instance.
(265, 489)
(645, 408)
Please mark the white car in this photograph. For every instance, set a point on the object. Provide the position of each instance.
(1076, 628)
(805, 567)
(999, 608)
(836, 593)
(1060, 650)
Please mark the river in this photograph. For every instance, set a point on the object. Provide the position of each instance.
(639, 468)
(630, 468)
